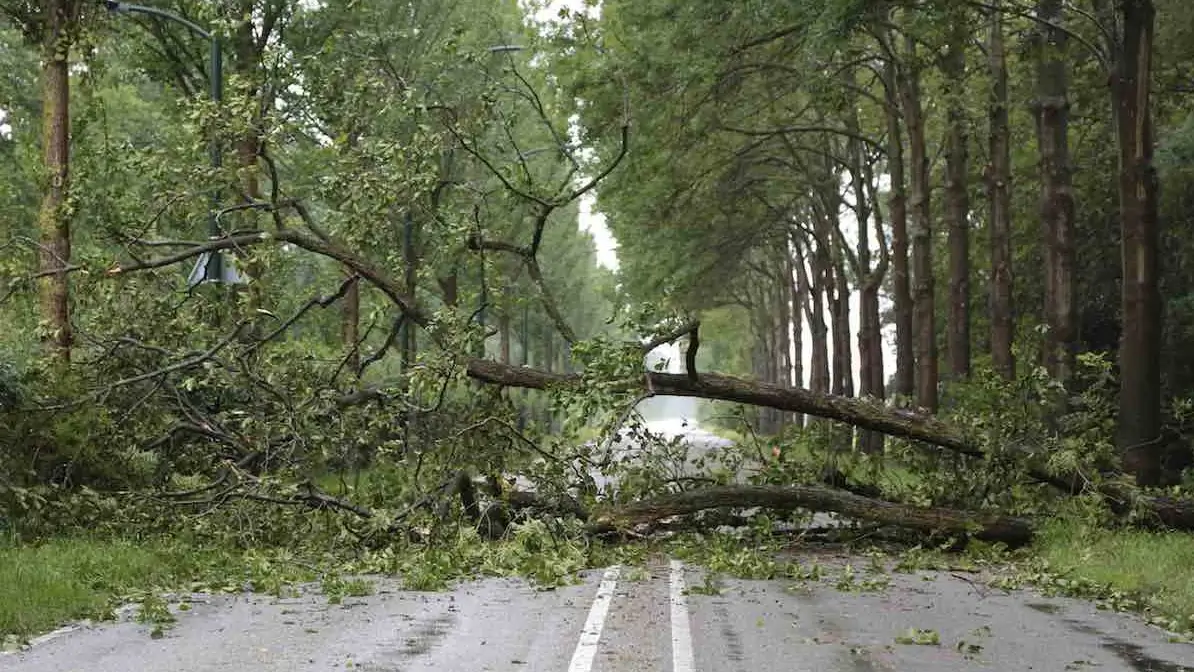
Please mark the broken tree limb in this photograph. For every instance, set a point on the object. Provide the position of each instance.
(988, 527)
(861, 413)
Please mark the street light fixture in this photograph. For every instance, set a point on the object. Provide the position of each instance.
(210, 267)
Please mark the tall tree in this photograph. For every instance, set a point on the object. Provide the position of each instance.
(57, 24)
(999, 178)
(1139, 431)
(901, 288)
(957, 200)
(1057, 199)
(921, 230)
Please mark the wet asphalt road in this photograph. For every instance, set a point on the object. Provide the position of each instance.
(664, 617)
(646, 624)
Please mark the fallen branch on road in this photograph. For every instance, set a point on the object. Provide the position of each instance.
(988, 527)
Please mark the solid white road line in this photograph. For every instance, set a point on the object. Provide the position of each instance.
(681, 632)
(586, 648)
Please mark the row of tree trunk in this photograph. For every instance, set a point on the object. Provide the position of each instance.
(817, 267)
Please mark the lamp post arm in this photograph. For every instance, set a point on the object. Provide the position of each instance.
(130, 8)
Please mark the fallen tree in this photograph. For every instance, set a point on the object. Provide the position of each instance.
(988, 527)
(861, 413)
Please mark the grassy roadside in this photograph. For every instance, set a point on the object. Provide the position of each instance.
(1136, 570)
(45, 585)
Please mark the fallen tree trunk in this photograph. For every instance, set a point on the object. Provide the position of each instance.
(988, 527)
(866, 414)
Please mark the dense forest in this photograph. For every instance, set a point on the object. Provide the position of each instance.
(291, 258)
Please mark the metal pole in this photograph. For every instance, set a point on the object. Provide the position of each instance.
(215, 264)
(214, 270)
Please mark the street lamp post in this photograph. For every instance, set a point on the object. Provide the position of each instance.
(212, 263)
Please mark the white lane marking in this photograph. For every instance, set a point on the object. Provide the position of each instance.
(681, 632)
(586, 648)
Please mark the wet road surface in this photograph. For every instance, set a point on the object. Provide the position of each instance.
(627, 619)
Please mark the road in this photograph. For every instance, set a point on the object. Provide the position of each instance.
(628, 619)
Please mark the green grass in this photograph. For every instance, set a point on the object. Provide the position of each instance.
(43, 586)
(1156, 567)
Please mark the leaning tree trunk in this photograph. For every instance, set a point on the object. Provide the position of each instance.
(957, 201)
(923, 312)
(54, 217)
(1139, 435)
(999, 178)
(1057, 198)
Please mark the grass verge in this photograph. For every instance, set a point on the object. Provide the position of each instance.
(1130, 569)
(60, 580)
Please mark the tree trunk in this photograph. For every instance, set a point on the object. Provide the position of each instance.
(504, 337)
(923, 312)
(54, 217)
(870, 340)
(819, 380)
(988, 527)
(410, 277)
(1139, 435)
(843, 353)
(957, 201)
(870, 330)
(999, 178)
(900, 280)
(248, 145)
(350, 325)
(1057, 198)
(799, 309)
(783, 327)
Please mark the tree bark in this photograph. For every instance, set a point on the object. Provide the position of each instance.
(819, 380)
(350, 325)
(988, 527)
(999, 179)
(957, 200)
(923, 310)
(783, 327)
(1057, 198)
(799, 309)
(54, 218)
(903, 384)
(870, 329)
(870, 340)
(504, 337)
(1139, 433)
(839, 301)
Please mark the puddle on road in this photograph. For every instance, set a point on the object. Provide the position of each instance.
(1132, 654)
(427, 635)
(1045, 607)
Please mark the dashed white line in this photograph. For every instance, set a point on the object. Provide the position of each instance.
(586, 648)
(681, 631)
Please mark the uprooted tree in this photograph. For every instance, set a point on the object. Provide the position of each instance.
(395, 212)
